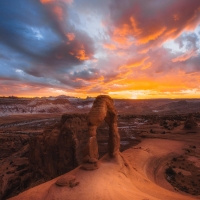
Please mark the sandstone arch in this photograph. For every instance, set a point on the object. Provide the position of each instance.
(102, 109)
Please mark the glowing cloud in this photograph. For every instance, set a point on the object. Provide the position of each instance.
(128, 49)
(70, 36)
(50, 1)
(46, 1)
(110, 46)
(136, 62)
(185, 56)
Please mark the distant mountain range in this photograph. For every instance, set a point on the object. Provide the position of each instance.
(60, 104)
(67, 104)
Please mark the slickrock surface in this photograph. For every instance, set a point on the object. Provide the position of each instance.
(137, 173)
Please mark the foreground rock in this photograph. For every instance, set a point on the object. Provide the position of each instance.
(137, 173)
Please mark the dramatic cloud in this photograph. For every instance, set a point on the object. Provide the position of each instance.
(154, 20)
(44, 37)
(127, 49)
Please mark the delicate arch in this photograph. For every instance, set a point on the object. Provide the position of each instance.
(102, 109)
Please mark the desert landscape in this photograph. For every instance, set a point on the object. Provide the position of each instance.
(99, 100)
(159, 159)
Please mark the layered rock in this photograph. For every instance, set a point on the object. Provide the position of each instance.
(14, 164)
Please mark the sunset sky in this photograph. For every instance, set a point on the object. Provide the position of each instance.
(123, 48)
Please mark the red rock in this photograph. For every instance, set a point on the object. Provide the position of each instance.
(102, 109)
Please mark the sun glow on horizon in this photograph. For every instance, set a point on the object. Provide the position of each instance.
(117, 95)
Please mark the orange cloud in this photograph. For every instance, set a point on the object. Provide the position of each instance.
(110, 46)
(80, 53)
(129, 28)
(134, 24)
(58, 12)
(185, 56)
(152, 34)
(124, 30)
(70, 36)
(174, 81)
(50, 1)
(120, 40)
(170, 33)
(46, 1)
(151, 30)
(121, 34)
(146, 66)
(172, 85)
(135, 62)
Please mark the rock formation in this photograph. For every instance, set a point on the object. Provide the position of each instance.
(14, 165)
(102, 109)
(58, 149)
(29, 160)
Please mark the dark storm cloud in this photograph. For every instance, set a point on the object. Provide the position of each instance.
(87, 74)
(16, 19)
(39, 32)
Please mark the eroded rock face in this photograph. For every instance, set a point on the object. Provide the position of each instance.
(102, 109)
(14, 164)
(26, 161)
(58, 150)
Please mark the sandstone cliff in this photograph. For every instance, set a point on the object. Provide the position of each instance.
(58, 149)
(28, 160)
